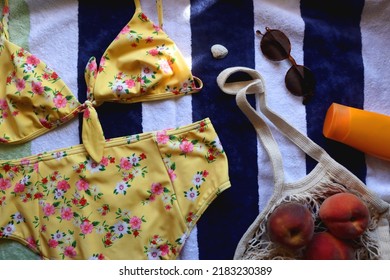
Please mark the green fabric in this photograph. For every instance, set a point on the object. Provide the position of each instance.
(19, 28)
(12, 250)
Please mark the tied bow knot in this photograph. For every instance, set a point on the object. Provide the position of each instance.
(92, 132)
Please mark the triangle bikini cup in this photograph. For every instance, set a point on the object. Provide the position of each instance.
(141, 64)
(326, 179)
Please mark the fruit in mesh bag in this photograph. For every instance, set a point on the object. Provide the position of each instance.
(325, 246)
(291, 225)
(345, 215)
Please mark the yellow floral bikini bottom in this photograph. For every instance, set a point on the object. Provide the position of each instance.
(139, 202)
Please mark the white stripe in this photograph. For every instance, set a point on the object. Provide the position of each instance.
(375, 30)
(285, 16)
(173, 112)
(54, 39)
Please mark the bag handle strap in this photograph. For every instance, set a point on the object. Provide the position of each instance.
(257, 86)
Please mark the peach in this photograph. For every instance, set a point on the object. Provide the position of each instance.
(325, 246)
(345, 215)
(291, 225)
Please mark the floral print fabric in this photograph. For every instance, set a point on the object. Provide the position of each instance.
(141, 64)
(155, 70)
(139, 202)
(33, 98)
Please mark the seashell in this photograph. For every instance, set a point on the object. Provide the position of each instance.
(219, 51)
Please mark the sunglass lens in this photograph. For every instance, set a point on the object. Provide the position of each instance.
(275, 45)
(300, 81)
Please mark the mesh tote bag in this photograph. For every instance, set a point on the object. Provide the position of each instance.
(326, 179)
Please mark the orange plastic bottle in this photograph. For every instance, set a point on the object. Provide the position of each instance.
(366, 131)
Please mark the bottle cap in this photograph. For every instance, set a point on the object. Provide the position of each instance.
(337, 122)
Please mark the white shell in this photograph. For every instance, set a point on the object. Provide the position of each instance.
(219, 51)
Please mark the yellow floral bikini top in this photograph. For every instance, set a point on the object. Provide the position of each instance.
(141, 64)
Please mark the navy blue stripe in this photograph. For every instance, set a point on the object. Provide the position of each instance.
(98, 25)
(333, 50)
(229, 23)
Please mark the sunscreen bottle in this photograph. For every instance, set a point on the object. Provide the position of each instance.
(366, 131)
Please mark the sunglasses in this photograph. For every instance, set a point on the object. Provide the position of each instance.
(299, 79)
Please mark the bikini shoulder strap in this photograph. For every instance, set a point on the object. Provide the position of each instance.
(257, 86)
(4, 20)
(159, 8)
(160, 12)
